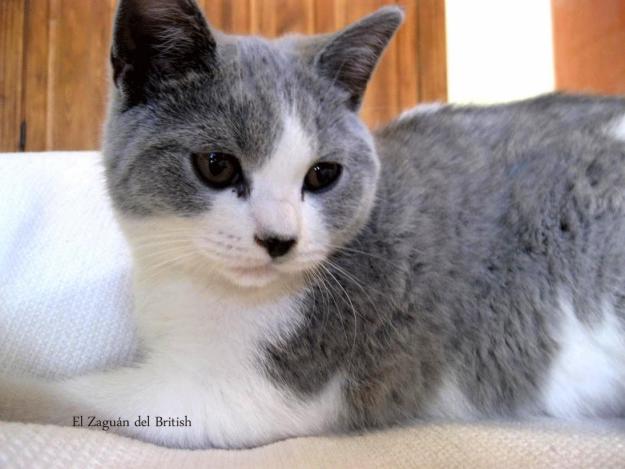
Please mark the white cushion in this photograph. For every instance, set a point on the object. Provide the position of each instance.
(64, 267)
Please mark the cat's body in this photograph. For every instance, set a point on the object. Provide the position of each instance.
(477, 269)
(498, 242)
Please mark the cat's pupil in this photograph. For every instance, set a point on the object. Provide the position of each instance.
(321, 176)
(218, 170)
(217, 167)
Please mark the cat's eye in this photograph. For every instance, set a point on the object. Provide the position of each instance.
(218, 170)
(321, 176)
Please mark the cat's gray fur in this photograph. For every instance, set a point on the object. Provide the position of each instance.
(482, 215)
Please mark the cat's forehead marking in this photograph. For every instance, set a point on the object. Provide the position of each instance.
(264, 90)
(292, 155)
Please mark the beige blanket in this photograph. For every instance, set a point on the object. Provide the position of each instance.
(538, 444)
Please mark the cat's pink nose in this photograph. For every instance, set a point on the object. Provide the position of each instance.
(275, 247)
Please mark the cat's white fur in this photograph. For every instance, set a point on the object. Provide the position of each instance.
(216, 328)
(425, 108)
(201, 362)
(206, 344)
(277, 198)
(587, 377)
(617, 128)
(450, 402)
(203, 321)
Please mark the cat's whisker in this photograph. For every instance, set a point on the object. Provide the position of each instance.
(350, 250)
(140, 243)
(156, 241)
(188, 234)
(345, 274)
(310, 253)
(365, 290)
(157, 246)
(328, 296)
(151, 258)
(165, 232)
(331, 297)
(155, 270)
(225, 245)
(350, 304)
(314, 278)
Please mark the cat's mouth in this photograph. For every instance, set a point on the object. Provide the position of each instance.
(259, 270)
(252, 276)
(261, 275)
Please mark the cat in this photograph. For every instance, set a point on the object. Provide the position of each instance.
(296, 274)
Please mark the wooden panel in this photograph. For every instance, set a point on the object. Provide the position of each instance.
(432, 51)
(276, 17)
(589, 44)
(326, 15)
(408, 68)
(35, 91)
(11, 72)
(54, 60)
(230, 16)
(78, 72)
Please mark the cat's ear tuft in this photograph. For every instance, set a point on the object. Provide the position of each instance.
(156, 41)
(349, 56)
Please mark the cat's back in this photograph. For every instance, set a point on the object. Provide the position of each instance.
(494, 171)
(524, 164)
(518, 215)
(444, 135)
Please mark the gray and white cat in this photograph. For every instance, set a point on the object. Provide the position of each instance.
(296, 275)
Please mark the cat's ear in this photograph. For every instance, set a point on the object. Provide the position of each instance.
(157, 41)
(349, 56)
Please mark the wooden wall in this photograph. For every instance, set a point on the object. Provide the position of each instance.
(54, 60)
(589, 45)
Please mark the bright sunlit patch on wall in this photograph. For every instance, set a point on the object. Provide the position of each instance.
(498, 50)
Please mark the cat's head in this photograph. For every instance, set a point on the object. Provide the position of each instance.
(239, 156)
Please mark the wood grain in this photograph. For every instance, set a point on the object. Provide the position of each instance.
(35, 90)
(78, 72)
(11, 73)
(55, 72)
(408, 67)
(230, 16)
(589, 45)
(276, 17)
(432, 51)
(326, 17)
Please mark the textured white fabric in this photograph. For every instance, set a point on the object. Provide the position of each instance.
(64, 267)
(504, 445)
(65, 309)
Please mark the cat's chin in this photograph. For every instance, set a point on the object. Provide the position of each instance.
(269, 277)
(252, 277)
